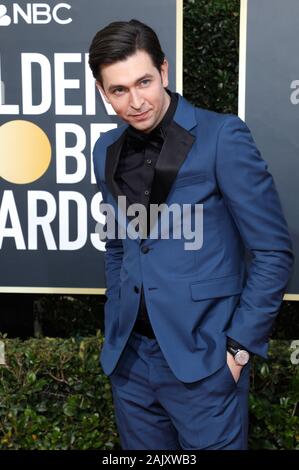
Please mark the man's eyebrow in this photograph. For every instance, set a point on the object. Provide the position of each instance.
(147, 75)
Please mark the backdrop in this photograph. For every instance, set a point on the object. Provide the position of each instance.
(50, 116)
(269, 99)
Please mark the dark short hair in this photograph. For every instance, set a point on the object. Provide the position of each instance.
(121, 39)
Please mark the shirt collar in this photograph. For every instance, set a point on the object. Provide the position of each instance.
(168, 116)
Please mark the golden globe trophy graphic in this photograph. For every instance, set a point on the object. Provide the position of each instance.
(25, 152)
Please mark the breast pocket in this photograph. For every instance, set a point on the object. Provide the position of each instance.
(188, 180)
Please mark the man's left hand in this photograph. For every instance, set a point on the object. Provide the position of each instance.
(234, 368)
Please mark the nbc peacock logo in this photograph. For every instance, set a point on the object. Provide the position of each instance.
(5, 20)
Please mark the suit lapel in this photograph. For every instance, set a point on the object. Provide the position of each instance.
(176, 147)
(112, 159)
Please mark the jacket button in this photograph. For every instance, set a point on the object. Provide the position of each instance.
(136, 289)
(145, 249)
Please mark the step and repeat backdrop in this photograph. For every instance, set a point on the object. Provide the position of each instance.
(269, 99)
(51, 114)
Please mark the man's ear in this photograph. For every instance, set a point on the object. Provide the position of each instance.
(164, 73)
(102, 91)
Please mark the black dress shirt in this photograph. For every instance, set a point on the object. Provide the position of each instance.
(135, 174)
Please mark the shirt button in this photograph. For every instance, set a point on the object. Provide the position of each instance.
(146, 192)
(145, 249)
(149, 161)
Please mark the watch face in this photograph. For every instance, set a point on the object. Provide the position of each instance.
(242, 357)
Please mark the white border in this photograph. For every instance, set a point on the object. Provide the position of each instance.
(242, 59)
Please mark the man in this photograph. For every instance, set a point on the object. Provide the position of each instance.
(181, 324)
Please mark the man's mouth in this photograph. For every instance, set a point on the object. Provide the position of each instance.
(141, 116)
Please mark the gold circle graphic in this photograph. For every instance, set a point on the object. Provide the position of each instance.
(25, 152)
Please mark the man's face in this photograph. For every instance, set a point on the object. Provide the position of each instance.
(135, 89)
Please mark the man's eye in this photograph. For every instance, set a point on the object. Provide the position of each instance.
(117, 91)
(145, 82)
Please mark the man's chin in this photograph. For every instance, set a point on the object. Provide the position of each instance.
(142, 126)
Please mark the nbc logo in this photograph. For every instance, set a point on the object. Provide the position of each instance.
(5, 20)
(34, 13)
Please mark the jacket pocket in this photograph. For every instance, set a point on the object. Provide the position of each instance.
(220, 287)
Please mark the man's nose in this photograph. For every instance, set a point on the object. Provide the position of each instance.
(136, 100)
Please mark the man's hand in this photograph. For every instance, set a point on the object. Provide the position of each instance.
(234, 368)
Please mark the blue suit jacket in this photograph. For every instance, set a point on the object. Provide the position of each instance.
(195, 299)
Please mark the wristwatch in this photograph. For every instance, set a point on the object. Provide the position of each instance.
(241, 356)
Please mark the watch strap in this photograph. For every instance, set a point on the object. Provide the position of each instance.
(234, 344)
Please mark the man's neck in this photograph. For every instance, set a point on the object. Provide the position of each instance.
(168, 99)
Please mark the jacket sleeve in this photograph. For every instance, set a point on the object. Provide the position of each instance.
(249, 193)
(113, 245)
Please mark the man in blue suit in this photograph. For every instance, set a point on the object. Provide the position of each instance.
(182, 324)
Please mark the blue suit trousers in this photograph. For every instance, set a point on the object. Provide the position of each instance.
(156, 411)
